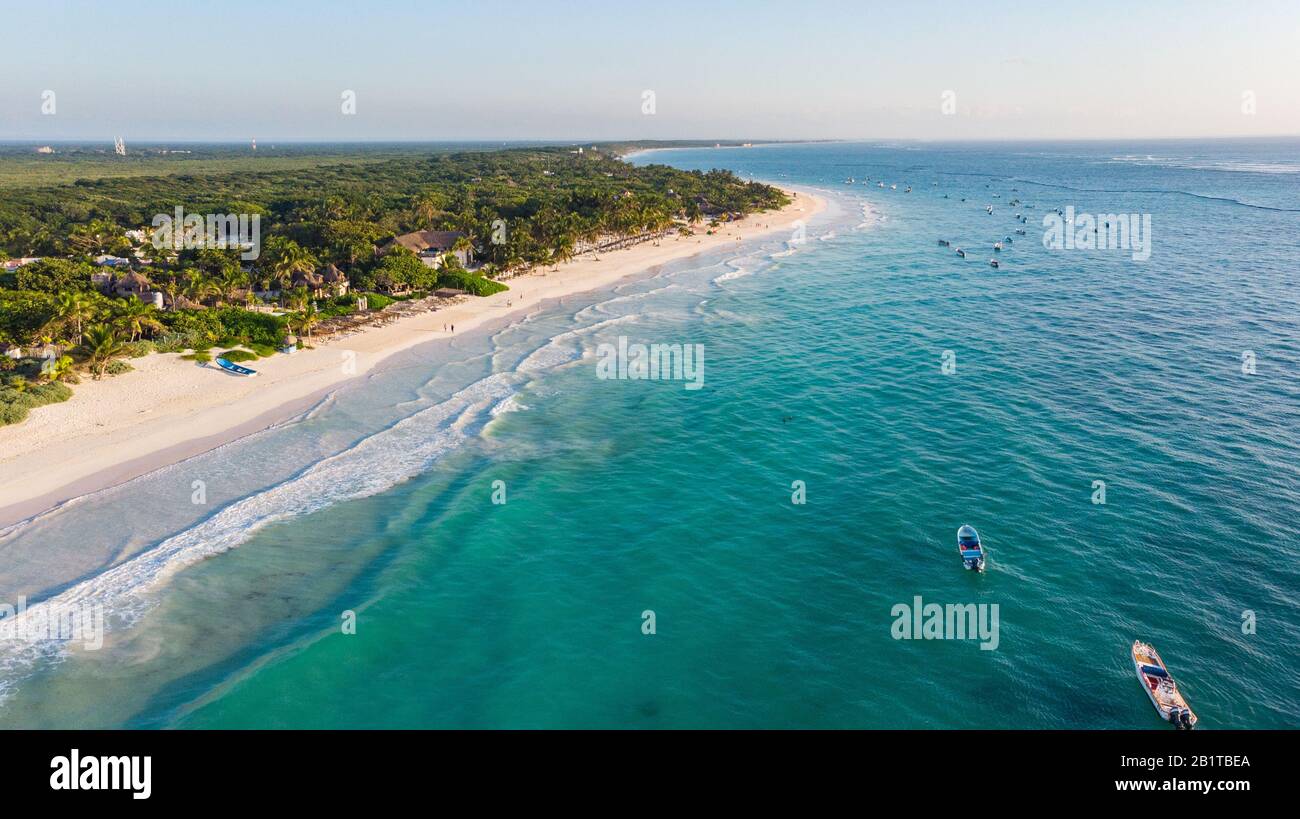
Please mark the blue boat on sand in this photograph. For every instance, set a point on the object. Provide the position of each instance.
(230, 366)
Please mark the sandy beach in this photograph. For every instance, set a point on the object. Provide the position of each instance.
(169, 409)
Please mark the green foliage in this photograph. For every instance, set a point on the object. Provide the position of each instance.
(101, 346)
(399, 268)
(196, 326)
(251, 327)
(201, 356)
(22, 314)
(136, 349)
(336, 207)
(54, 276)
(237, 355)
(117, 367)
(16, 403)
(464, 280)
(376, 301)
(228, 325)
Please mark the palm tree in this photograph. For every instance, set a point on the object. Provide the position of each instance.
(102, 346)
(135, 316)
(306, 319)
(463, 245)
(172, 289)
(295, 298)
(72, 307)
(563, 248)
(198, 287)
(427, 206)
(231, 282)
(292, 258)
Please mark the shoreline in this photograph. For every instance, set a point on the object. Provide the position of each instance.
(168, 410)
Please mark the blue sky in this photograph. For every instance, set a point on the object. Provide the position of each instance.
(478, 69)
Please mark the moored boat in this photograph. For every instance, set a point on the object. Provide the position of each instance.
(1161, 688)
(970, 548)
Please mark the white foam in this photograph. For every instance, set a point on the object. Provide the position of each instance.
(375, 464)
(566, 347)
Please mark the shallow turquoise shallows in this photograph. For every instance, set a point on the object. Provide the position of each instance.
(907, 391)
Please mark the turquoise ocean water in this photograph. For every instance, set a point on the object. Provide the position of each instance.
(823, 363)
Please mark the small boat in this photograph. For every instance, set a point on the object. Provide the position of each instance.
(1008, 240)
(994, 263)
(944, 243)
(970, 549)
(989, 209)
(1020, 231)
(880, 184)
(997, 247)
(961, 253)
(909, 189)
(232, 367)
(893, 187)
(1161, 688)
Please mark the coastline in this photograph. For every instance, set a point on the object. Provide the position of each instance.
(168, 409)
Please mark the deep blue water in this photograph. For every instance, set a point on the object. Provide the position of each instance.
(824, 364)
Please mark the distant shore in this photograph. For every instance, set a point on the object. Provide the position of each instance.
(168, 409)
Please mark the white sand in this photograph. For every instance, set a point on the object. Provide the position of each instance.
(169, 409)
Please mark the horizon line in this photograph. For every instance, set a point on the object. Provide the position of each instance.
(585, 141)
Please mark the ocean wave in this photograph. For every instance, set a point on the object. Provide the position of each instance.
(373, 465)
(1224, 165)
(561, 349)
(507, 405)
(1206, 197)
(600, 307)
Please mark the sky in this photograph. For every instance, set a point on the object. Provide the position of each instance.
(486, 70)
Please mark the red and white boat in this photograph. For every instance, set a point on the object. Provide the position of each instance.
(1160, 687)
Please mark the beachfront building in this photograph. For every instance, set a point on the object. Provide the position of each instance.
(328, 281)
(311, 280)
(136, 284)
(334, 281)
(432, 245)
